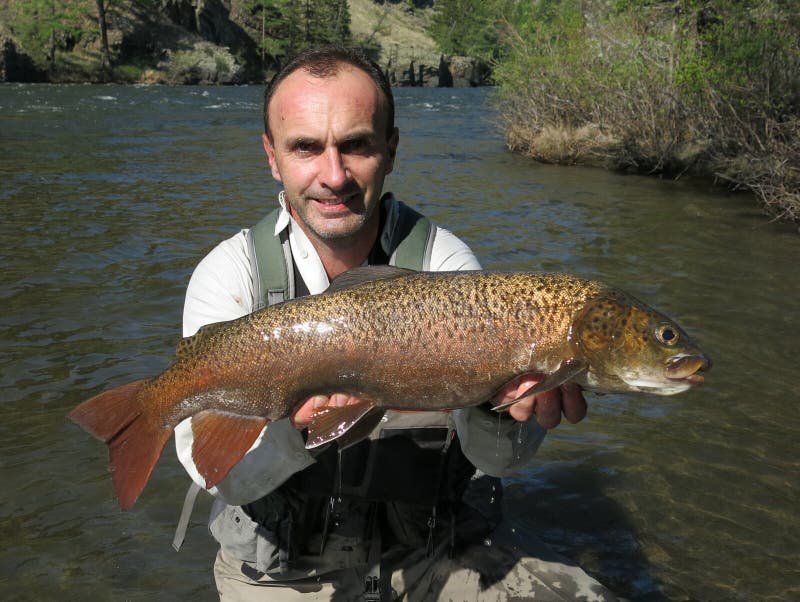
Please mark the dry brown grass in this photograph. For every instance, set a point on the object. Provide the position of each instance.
(616, 98)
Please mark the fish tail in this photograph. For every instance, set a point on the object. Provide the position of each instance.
(135, 443)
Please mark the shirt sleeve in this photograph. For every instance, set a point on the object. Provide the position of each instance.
(221, 289)
(450, 253)
(495, 443)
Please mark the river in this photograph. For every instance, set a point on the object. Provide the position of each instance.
(110, 195)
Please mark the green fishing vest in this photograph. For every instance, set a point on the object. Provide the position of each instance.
(271, 258)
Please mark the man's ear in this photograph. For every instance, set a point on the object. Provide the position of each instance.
(391, 145)
(273, 164)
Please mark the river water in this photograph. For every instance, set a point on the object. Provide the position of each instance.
(109, 197)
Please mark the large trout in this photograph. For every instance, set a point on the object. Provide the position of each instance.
(395, 339)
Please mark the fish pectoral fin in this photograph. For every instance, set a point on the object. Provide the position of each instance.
(221, 439)
(361, 429)
(346, 425)
(568, 370)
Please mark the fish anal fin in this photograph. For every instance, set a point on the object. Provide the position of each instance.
(568, 370)
(221, 439)
(328, 424)
(362, 274)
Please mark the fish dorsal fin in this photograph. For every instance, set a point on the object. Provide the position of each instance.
(221, 439)
(568, 370)
(187, 346)
(347, 425)
(366, 273)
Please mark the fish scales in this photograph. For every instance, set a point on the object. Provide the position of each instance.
(440, 337)
(399, 340)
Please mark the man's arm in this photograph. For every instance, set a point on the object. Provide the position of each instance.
(221, 289)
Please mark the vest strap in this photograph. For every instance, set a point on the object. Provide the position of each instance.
(186, 513)
(412, 240)
(374, 589)
(270, 262)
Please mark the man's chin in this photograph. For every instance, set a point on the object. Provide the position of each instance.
(342, 228)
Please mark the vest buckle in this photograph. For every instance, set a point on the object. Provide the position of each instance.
(372, 588)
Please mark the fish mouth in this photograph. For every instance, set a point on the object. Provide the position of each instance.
(686, 369)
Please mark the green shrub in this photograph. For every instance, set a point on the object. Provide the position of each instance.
(711, 88)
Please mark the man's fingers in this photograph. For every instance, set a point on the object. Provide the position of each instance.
(573, 402)
(302, 414)
(339, 400)
(548, 408)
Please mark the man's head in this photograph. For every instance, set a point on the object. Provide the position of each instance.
(330, 140)
(325, 62)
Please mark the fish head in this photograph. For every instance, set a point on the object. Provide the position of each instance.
(630, 347)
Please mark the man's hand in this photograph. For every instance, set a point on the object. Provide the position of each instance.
(547, 406)
(302, 415)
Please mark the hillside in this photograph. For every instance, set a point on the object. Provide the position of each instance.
(399, 30)
(201, 41)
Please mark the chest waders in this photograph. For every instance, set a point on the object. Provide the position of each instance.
(417, 469)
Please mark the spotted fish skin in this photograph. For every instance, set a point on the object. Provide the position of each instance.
(395, 339)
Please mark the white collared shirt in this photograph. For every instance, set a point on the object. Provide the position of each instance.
(221, 289)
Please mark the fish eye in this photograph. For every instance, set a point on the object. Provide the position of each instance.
(667, 335)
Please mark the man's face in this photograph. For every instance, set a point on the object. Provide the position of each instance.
(330, 151)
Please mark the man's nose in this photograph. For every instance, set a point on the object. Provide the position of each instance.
(333, 173)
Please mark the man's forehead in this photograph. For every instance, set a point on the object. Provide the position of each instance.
(348, 92)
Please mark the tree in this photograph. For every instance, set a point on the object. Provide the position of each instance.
(284, 27)
(469, 27)
(44, 25)
(105, 54)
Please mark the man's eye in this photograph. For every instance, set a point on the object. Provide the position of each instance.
(354, 146)
(304, 147)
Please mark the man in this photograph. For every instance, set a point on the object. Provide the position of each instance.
(386, 518)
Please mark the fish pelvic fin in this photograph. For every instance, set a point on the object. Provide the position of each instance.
(568, 370)
(221, 439)
(346, 425)
(135, 443)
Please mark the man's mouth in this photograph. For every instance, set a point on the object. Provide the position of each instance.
(335, 204)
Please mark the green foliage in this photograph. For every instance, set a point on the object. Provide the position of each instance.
(469, 27)
(659, 86)
(44, 26)
(284, 27)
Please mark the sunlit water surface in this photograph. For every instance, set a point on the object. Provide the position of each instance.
(110, 195)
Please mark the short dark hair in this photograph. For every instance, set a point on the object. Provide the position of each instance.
(325, 61)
